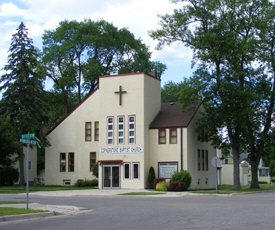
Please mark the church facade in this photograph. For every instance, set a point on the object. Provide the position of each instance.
(126, 129)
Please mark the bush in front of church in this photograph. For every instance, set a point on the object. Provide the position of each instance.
(151, 177)
(182, 176)
(177, 186)
(162, 186)
(86, 183)
(156, 181)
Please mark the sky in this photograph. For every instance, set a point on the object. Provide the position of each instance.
(139, 16)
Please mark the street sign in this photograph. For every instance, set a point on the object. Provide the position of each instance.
(29, 135)
(215, 161)
(26, 141)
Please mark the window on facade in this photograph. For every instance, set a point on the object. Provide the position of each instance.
(202, 160)
(126, 170)
(199, 160)
(29, 165)
(120, 130)
(96, 131)
(70, 162)
(226, 161)
(135, 170)
(206, 160)
(263, 172)
(132, 130)
(162, 136)
(173, 136)
(62, 162)
(88, 131)
(92, 160)
(110, 130)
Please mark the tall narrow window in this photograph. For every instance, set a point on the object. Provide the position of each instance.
(88, 133)
(202, 160)
(135, 170)
(173, 136)
(132, 130)
(162, 136)
(92, 160)
(96, 131)
(199, 160)
(126, 171)
(120, 130)
(110, 130)
(206, 160)
(71, 162)
(62, 162)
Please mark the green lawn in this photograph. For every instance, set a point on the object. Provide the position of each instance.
(37, 188)
(4, 211)
(228, 189)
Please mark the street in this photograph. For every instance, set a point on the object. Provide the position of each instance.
(246, 211)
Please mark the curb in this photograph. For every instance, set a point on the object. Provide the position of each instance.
(27, 216)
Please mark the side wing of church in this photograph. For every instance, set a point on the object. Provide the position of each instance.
(126, 129)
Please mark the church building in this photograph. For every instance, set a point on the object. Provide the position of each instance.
(126, 129)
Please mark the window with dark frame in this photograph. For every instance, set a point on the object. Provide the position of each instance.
(199, 160)
(70, 162)
(96, 130)
(173, 135)
(62, 162)
(162, 136)
(135, 170)
(206, 160)
(92, 160)
(88, 131)
(202, 160)
(126, 171)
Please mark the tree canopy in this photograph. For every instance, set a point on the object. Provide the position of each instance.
(235, 75)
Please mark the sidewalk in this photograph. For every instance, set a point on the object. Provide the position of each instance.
(55, 210)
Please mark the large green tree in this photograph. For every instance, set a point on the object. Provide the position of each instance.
(77, 53)
(228, 38)
(23, 97)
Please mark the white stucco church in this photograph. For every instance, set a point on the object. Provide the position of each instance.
(124, 126)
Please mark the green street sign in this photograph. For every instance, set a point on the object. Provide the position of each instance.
(25, 141)
(29, 135)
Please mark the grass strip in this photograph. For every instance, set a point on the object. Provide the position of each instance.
(141, 193)
(4, 211)
(12, 202)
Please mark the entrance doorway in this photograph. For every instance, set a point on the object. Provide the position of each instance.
(111, 175)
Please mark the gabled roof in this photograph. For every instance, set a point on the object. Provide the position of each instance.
(171, 116)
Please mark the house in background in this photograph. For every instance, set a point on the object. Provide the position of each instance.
(226, 170)
(32, 164)
(126, 129)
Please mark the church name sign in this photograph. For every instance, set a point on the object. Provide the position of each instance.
(121, 150)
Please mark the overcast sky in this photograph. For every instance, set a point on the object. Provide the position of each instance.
(139, 16)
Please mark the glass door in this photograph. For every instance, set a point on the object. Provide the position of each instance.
(111, 176)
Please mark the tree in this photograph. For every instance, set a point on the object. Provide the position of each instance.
(227, 38)
(24, 98)
(170, 92)
(8, 146)
(77, 53)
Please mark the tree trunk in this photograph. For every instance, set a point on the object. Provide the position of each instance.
(236, 171)
(254, 173)
(22, 171)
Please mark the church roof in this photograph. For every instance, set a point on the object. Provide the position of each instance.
(171, 116)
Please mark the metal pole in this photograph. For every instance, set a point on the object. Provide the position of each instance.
(216, 175)
(27, 192)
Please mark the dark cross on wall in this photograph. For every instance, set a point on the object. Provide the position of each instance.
(120, 92)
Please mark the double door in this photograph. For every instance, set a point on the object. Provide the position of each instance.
(111, 175)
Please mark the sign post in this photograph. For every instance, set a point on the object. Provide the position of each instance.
(25, 140)
(215, 161)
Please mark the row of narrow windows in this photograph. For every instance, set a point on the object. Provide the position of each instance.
(202, 160)
(172, 136)
(121, 137)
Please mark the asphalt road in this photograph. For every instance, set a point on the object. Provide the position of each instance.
(247, 211)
